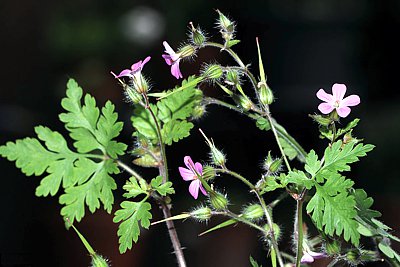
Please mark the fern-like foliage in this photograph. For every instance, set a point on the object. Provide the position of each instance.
(84, 174)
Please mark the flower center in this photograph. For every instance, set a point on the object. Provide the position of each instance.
(336, 104)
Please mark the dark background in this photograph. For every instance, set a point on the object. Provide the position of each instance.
(306, 45)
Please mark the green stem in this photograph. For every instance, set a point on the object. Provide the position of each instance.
(130, 170)
(298, 231)
(163, 166)
(238, 176)
(281, 197)
(230, 51)
(242, 220)
(270, 222)
(279, 129)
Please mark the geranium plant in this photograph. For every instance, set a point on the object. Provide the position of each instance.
(322, 189)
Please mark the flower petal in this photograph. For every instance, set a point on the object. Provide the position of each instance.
(186, 174)
(168, 59)
(350, 101)
(317, 255)
(338, 90)
(194, 188)
(168, 49)
(325, 108)
(321, 94)
(198, 168)
(307, 258)
(203, 190)
(175, 71)
(125, 72)
(343, 111)
(188, 162)
(147, 59)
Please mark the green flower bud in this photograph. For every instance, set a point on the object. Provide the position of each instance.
(213, 71)
(140, 84)
(218, 201)
(187, 51)
(198, 111)
(224, 23)
(99, 261)
(217, 156)
(272, 165)
(321, 120)
(253, 212)
(201, 214)
(197, 35)
(132, 95)
(232, 77)
(243, 102)
(276, 229)
(368, 256)
(266, 95)
(333, 247)
(208, 173)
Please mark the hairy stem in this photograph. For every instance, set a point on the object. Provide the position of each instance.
(238, 176)
(176, 244)
(268, 216)
(298, 231)
(129, 170)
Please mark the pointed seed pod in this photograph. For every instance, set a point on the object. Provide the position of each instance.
(197, 36)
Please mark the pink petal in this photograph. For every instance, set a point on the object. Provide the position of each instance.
(168, 49)
(147, 59)
(124, 73)
(168, 59)
(198, 168)
(203, 190)
(343, 111)
(186, 174)
(175, 71)
(188, 162)
(137, 66)
(338, 90)
(325, 108)
(350, 101)
(321, 94)
(307, 258)
(194, 188)
(317, 255)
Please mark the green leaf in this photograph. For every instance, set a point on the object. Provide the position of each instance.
(179, 106)
(134, 188)
(263, 124)
(131, 214)
(334, 214)
(162, 188)
(299, 178)
(348, 127)
(289, 151)
(339, 155)
(253, 262)
(386, 249)
(270, 184)
(312, 163)
(231, 43)
(144, 123)
(175, 130)
(364, 203)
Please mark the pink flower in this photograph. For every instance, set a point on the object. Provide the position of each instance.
(172, 60)
(192, 173)
(309, 256)
(134, 71)
(336, 101)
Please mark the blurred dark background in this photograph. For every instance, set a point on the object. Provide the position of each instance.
(306, 45)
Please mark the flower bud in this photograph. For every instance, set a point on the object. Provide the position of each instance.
(213, 72)
(276, 230)
(218, 201)
(132, 95)
(186, 51)
(266, 95)
(333, 247)
(272, 165)
(197, 36)
(201, 214)
(208, 173)
(225, 24)
(99, 261)
(243, 102)
(321, 120)
(232, 77)
(253, 212)
(198, 111)
(217, 156)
